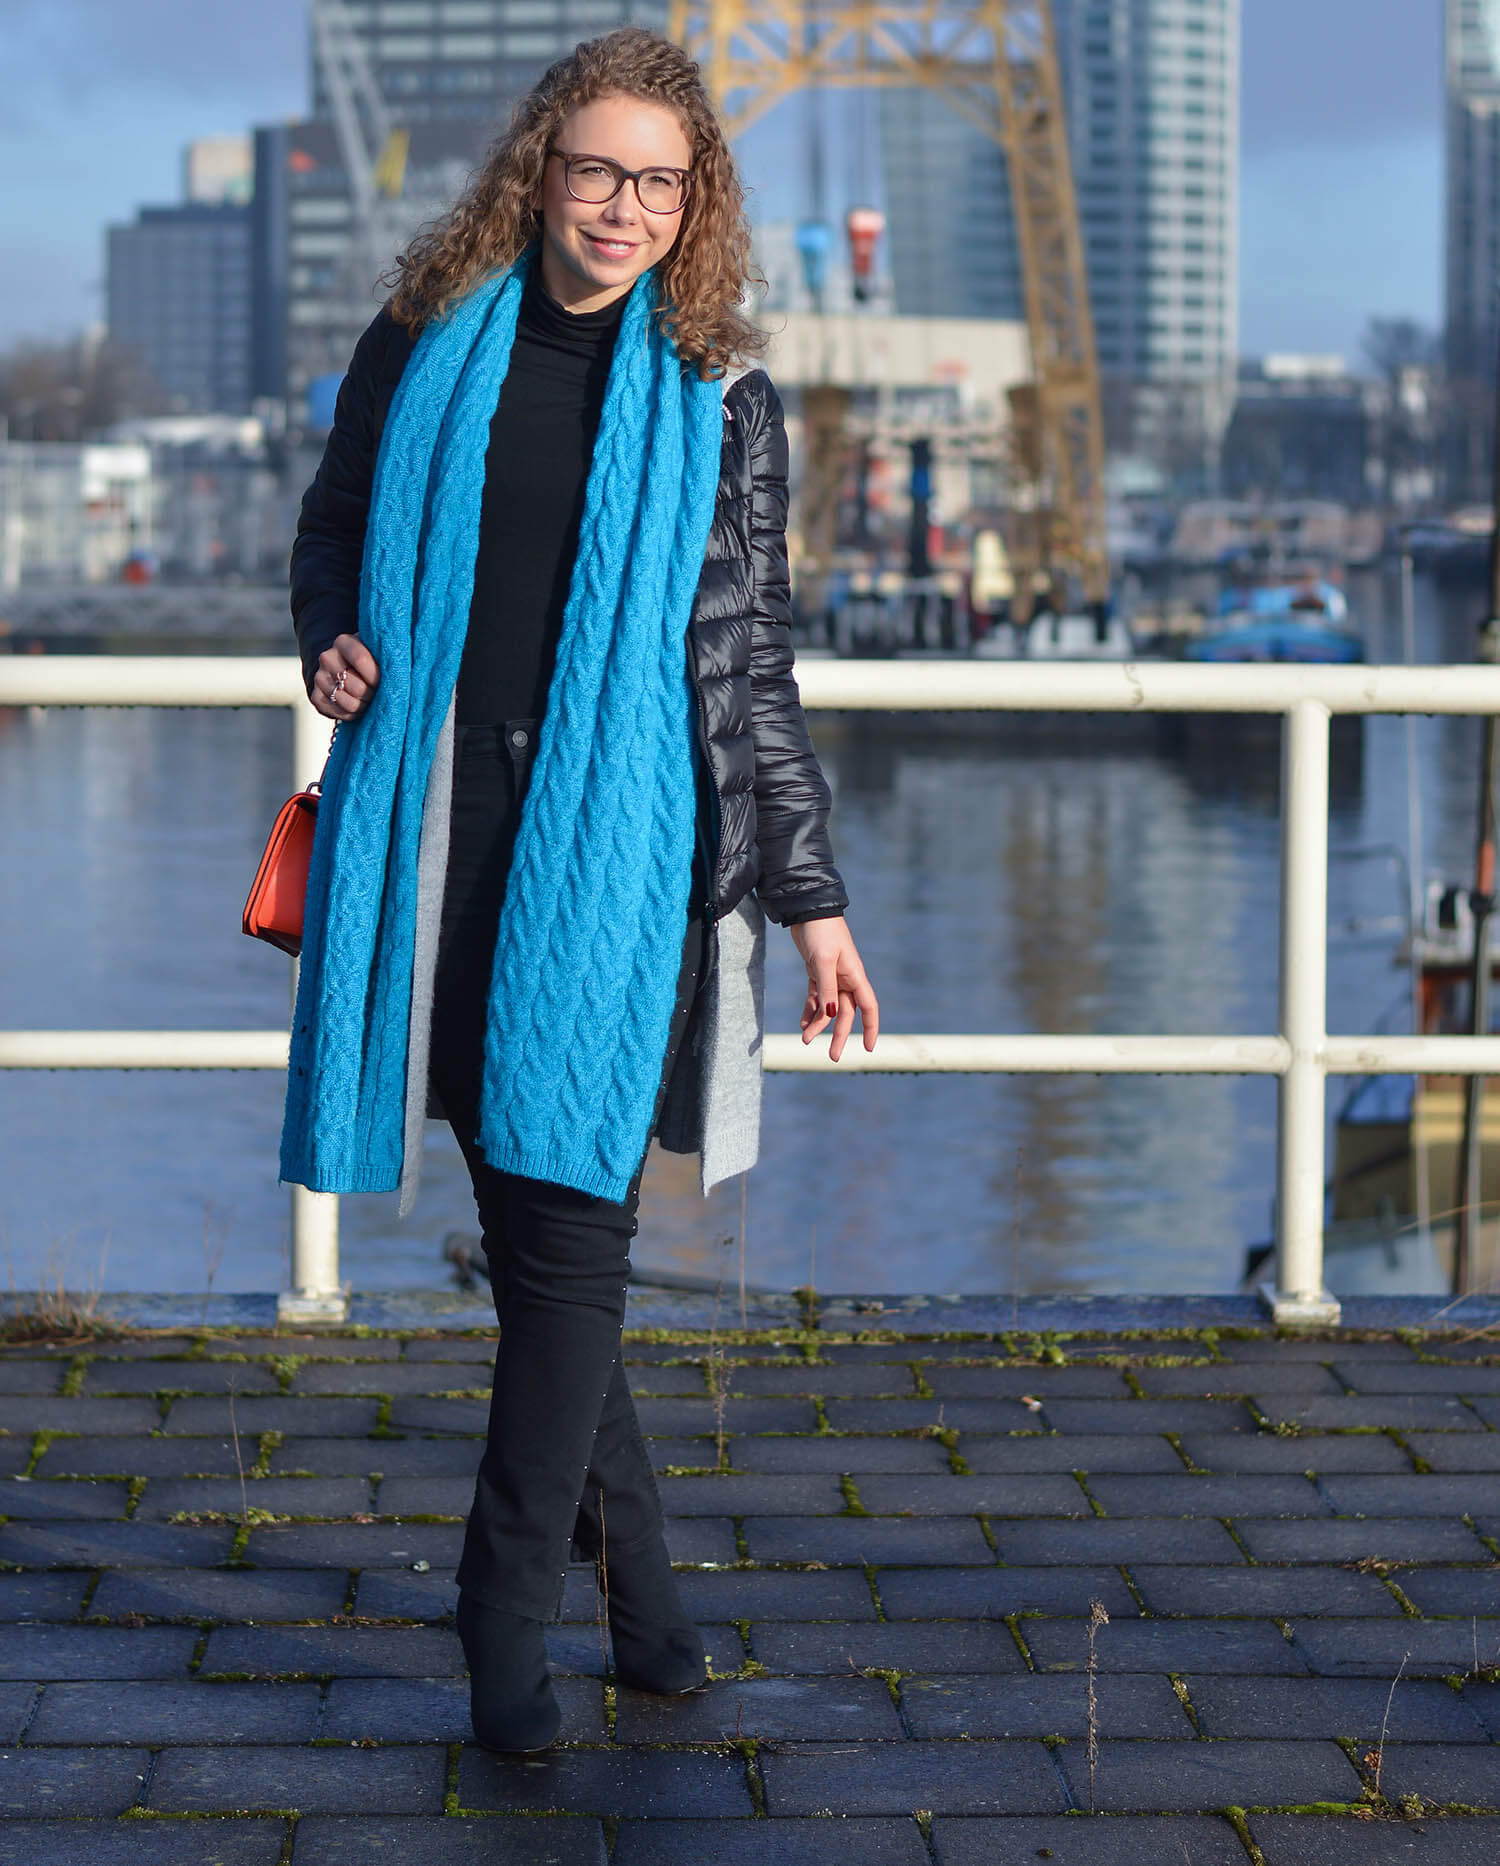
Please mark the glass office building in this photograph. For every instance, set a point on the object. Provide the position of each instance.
(472, 58)
(178, 291)
(1152, 95)
(1473, 236)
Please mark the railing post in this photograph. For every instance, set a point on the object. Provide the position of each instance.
(1299, 1298)
(316, 1295)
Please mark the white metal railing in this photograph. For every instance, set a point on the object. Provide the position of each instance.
(186, 680)
(1301, 1055)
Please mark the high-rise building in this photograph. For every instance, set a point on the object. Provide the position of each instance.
(269, 261)
(1473, 236)
(1152, 93)
(950, 231)
(316, 286)
(178, 292)
(1151, 89)
(471, 58)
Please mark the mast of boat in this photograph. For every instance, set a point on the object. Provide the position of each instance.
(1467, 1192)
(1415, 872)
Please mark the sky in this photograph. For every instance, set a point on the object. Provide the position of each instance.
(1341, 179)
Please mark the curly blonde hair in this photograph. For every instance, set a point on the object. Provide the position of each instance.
(703, 279)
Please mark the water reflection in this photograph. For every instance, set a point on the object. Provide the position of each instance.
(1083, 874)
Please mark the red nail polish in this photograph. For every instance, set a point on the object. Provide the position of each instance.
(830, 1009)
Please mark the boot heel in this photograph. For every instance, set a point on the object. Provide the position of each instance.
(511, 1701)
(657, 1647)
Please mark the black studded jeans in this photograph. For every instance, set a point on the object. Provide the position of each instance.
(564, 1463)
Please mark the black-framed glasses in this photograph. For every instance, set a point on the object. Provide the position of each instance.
(597, 179)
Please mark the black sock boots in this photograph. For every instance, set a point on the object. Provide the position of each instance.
(657, 1647)
(510, 1690)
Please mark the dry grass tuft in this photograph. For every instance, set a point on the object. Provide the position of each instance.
(53, 1312)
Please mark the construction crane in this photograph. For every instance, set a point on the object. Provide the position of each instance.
(994, 62)
(374, 148)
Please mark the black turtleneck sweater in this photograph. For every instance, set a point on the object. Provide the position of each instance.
(535, 477)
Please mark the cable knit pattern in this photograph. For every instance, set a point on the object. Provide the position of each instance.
(596, 907)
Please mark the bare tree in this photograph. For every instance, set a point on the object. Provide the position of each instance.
(1405, 356)
(1394, 344)
(69, 391)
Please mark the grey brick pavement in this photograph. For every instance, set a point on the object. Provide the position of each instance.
(42, 1596)
(1098, 1842)
(141, 1843)
(1296, 1543)
(789, 1842)
(1292, 1840)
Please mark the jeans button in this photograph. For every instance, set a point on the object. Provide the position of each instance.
(520, 737)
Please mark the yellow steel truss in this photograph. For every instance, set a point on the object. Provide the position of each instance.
(995, 63)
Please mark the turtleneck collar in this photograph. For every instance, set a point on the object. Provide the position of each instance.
(581, 330)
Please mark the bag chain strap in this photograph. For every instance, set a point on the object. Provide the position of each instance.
(317, 783)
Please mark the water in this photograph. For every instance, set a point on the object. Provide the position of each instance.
(1005, 875)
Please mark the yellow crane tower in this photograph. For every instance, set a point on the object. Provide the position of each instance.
(995, 63)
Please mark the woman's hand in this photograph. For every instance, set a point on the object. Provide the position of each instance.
(346, 677)
(836, 984)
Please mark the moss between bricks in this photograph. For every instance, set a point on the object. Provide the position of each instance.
(1236, 1819)
(165, 1815)
(850, 1492)
(1013, 1621)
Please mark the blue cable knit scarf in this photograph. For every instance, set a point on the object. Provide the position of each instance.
(595, 911)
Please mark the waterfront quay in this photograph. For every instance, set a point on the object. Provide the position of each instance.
(984, 1582)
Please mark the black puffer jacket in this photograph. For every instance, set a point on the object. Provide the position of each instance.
(768, 799)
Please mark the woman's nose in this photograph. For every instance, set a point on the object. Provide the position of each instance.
(623, 206)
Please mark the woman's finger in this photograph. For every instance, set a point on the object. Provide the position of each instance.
(869, 1011)
(823, 995)
(358, 659)
(341, 692)
(843, 1024)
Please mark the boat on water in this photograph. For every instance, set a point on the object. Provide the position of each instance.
(1392, 1195)
(1052, 636)
(1303, 619)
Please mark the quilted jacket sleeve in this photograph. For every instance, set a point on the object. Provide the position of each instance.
(798, 880)
(329, 547)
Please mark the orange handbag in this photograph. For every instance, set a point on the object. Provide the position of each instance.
(278, 894)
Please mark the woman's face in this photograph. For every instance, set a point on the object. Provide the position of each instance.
(593, 253)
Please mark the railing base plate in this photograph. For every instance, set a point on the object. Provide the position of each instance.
(310, 1305)
(1320, 1311)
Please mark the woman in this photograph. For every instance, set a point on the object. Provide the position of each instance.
(543, 566)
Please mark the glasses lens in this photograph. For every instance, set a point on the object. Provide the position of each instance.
(592, 179)
(662, 190)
